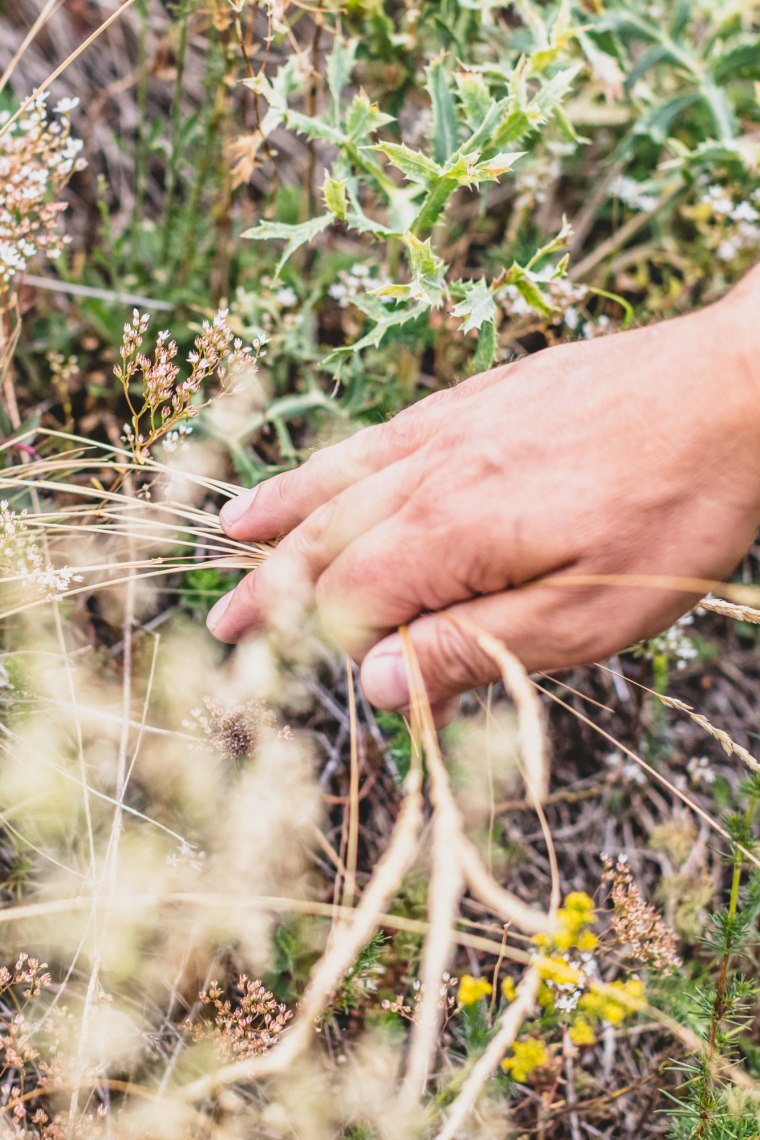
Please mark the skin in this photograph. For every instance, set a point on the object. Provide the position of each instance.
(635, 456)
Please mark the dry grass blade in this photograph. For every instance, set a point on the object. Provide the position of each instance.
(727, 743)
(739, 594)
(729, 746)
(530, 733)
(713, 824)
(446, 885)
(29, 38)
(456, 861)
(731, 610)
(508, 906)
(126, 4)
(349, 939)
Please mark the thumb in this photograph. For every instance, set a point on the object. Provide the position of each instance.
(451, 660)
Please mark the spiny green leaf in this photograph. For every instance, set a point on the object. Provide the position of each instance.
(364, 225)
(364, 118)
(491, 169)
(477, 305)
(424, 262)
(340, 64)
(474, 96)
(740, 61)
(293, 236)
(528, 288)
(417, 167)
(313, 128)
(485, 353)
(445, 133)
(391, 318)
(334, 193)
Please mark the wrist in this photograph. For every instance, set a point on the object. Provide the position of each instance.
(737, 332)
(739, 319)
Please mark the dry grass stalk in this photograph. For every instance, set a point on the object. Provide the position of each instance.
(126, 4)
(730, 610)
(498, 899)
(682, 796)
(446, 886)
(340, 955)
(729, 746)
(530, 734)
(456, 861)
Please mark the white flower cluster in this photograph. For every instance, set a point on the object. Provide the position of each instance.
(630, 771)
(632, 193)
(675, 643)
(567, 994)
(533, 183)
(174, 440)
(701, 772)
(565, 296)
(360, 278)
(37, 157)
(737, 223)
(22, 557)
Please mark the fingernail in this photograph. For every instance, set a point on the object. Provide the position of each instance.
(233, 511)
(384, 681)
(217, 612)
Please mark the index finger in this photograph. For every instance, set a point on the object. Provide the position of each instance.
(273, 508)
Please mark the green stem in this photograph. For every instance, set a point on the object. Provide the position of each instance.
(176, 127)
(719, 1003)
(141, 157)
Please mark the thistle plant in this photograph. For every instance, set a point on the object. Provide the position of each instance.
(390, 192)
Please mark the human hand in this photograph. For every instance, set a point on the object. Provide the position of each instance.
(633, 456)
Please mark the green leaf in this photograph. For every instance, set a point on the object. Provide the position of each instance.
(477, 305)
(313, 128)
(294, 236)
(527, 286)
(474, 96)
(364, 118)
(559, 240)
(390, 318)
(491, 169)
(417, 167)
(364, 225)
(424, 262)
(741, 61)
(334, 193)
(485, 353)
(340, 64)
(445, 133)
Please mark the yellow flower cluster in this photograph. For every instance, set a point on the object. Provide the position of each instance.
(604, 1007)
(526, 1056)
(472, 989)
(559, 971)
(581, 1032)
(571, 931)
(508, 989)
